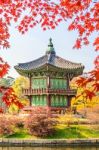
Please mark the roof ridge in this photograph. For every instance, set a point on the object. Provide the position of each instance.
(32, 60)
(68, 61)
(50, 57)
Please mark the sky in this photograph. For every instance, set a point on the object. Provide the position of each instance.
(33, 44)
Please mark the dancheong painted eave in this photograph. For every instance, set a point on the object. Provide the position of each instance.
(50, 59)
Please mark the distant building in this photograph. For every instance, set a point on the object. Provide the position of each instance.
(49, 78)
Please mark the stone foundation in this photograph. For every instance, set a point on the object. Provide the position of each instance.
(45, 142)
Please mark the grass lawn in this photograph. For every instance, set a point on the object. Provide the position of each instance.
(64, 132)
(76, 131)
(20, 133)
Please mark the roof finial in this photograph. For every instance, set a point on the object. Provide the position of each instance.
(50, 49)
(50, 43)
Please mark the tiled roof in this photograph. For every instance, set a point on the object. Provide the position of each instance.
(49, 59)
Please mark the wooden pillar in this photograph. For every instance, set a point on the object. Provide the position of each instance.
(30, 99)
(48, 82)
(48, 87)
(30, 82)
(68, 81)
(48, 100)
(69, 101)
(30, 88)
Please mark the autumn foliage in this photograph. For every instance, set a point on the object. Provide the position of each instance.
(83, 15)
(93, 79)
(40, 122)
(8, 94)
(5, 126)
(29, 13)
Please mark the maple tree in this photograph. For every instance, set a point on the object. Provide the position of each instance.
(8, 94)
(48, 13)
(93, 79)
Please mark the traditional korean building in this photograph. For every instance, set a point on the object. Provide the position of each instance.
(49, 78)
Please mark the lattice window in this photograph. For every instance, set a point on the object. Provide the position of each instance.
(39, 100)
(58, 101)
(39, 83)
(58, 83)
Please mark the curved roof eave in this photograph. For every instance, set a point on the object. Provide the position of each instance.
(77, 70)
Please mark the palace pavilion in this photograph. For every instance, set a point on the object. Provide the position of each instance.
(49, 79)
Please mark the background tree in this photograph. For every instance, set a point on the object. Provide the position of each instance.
(7, 95)
(19, 84)
(85, 97)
